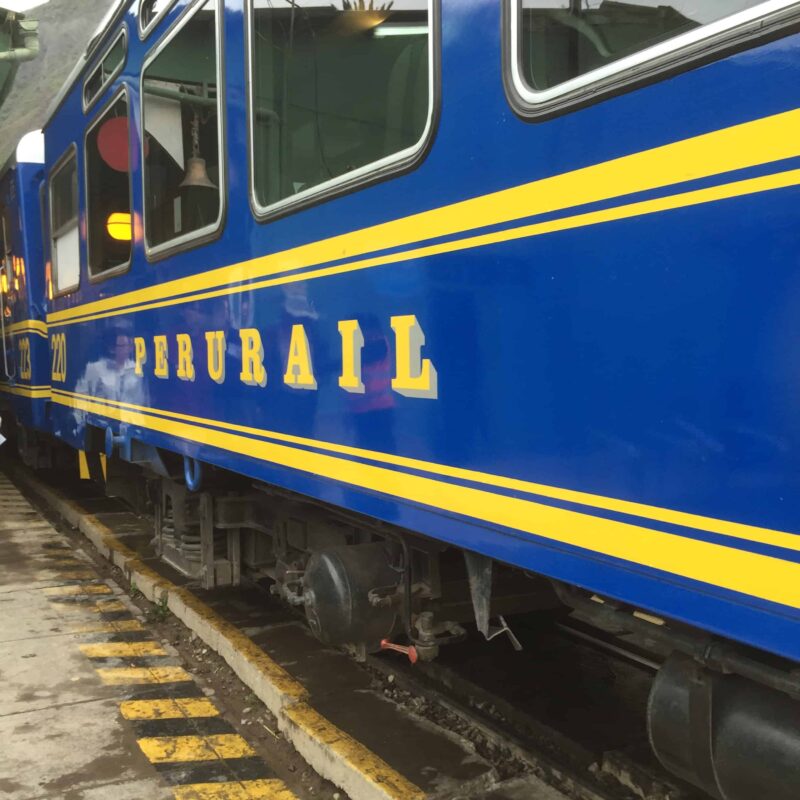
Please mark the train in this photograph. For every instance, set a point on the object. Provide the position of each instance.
(431, 313)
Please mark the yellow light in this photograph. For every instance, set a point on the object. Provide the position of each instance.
(16, 284)
(118, 226)
(4, 282)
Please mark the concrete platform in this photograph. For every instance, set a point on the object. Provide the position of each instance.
(88, 707)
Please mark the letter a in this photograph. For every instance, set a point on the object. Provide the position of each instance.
(299, 371)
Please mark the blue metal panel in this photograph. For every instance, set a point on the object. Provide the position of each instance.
(27, 352)
(646, 359)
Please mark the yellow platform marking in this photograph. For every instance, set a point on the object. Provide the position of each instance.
(174, 749)
(244, 790)
(371, 767)
(762, 576)
(122, 649)
(71, 591)
(134, 676)
(118, 626)
(78, 575)
(109, 606)
(180, 708)
(760, 141)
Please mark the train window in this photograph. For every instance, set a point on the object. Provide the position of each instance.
(182, 143)
(338, 91)
(108, 189)
(150, 12)
(561, 45)
(64, 236)
(104, 73)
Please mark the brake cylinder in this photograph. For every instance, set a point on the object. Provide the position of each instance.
(731, 737)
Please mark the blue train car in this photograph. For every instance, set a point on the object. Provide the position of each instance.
(25, 367)
(515, 281)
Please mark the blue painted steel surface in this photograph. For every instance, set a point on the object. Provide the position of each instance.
(26, 345)
(649, 359)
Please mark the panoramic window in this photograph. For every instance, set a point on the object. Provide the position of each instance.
(108, 190)
(105, 72)
(337, 86)
(182, 144)
(64, 237)
(563, 39)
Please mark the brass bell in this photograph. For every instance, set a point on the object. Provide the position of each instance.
(196, 172)
(197, 175)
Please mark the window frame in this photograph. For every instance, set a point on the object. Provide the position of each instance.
(677, 54)
(146, 30)
(68, 155)
(389, 166)
(123, 35)
(209, 233)
(124, 267)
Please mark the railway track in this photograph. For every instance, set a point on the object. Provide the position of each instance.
(563, 718)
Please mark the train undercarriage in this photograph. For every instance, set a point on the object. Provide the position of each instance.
(723, 717)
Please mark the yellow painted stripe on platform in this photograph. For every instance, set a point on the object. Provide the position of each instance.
(110, 606)
(243, 790)
(118, 626)
(371, 767)
(738, 530)
(760, 141)
(166, 708)
(174, 749)
(78, 575)
(121, 676)
(758, 575)
(122, 649)
(71, 591)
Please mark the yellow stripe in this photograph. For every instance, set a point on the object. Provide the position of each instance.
(122, 649)
(71, 591)
(83, 575)
(750, 573)
(758, 142)
(375, 770)
(789, 541)
(37, 326)
(32, 392)
(133, 676)
(246, 790)
(181, 708)
(174, 749)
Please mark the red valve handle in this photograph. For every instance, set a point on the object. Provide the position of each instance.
(411, 652)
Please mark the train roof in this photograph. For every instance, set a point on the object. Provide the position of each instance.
(113, 15)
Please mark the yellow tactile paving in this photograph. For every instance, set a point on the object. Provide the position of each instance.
(121, 676)
(122, 649)
(109, 606)
(118, 626)
(71, 591)
(179, 708)
(244, 790)
(175, 749)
